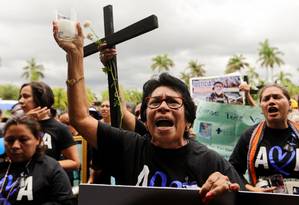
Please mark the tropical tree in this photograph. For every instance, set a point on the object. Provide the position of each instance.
(130, 95)
(194, 69)
(292, 88)
(162, 63)
(185, 76)
(133, 96)
(269, 57)
(236, 63)
(282, 77)
(91, 97)
(253, 76)
(9, 92)
(60, 97)
(33, 71)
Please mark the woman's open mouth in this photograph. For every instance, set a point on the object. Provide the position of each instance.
(272, 109)
(164, 123)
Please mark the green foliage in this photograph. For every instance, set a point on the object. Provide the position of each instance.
(236, 63)
(282, 77)
(91, 97)
(131, 95)
(61, 102)
(9, 92)
(33, 71)
(194, 69)
(253, 77)
(60, 96)
(105, 95)
(269, 57)
(162, 63)
(291, 87)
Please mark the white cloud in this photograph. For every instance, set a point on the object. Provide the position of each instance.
(207, 30)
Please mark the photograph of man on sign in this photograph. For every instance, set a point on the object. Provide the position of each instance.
(219, 89)
(218, 94)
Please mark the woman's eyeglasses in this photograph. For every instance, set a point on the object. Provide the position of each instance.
(172, 102)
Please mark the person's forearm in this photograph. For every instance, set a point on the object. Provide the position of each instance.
(77, 98)
(68, 164)
(250, 99)
(128, 120)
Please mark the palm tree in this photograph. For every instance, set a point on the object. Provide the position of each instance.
(236, 63)
(33, 71)
(162, 62)
(269, 57)
(195, 69)
(185, 77)
(253, 76)
(282, 77)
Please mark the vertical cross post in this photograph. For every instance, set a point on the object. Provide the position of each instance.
(115, 114)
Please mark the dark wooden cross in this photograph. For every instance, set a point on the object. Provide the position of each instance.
(112, 38)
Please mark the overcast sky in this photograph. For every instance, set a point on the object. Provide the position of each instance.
(209, 31)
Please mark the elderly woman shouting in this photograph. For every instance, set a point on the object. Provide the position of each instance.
(165, 156)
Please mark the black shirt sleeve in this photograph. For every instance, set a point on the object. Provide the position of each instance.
(238, 157)
(140, 127)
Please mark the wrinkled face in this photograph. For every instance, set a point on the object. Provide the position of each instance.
(165, 124)
(26, 99)
(20, 143)
(105, 109)
(218, 87)
(275, 107)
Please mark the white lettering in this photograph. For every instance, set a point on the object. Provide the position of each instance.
(26, 190)
(261, 158)
(47, 140)
(143, 176)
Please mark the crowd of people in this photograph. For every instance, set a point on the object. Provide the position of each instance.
(167, 112)
(154, 147)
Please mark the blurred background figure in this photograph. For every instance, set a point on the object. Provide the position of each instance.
(97, 105)
(30, 176)
(97, 175)
(64, 118)
(137, 110)
(16, 110)
(105, 112)
(294, 113)
(36, 100)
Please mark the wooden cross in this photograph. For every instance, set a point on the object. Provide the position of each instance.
(111, 38)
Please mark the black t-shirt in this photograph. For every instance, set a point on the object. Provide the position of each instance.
(56, 136)
(274, 154)
(140, 127)
(42, 180)
(133, 160)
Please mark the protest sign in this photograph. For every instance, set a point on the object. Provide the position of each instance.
(219, 126)
(222, 89)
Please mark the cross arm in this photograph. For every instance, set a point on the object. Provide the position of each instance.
(143, 26)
